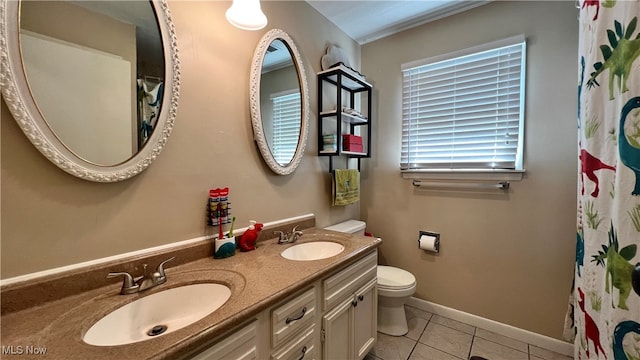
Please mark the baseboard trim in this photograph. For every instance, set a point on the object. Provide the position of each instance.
(513, 332)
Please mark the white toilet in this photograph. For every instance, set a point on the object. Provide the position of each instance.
(395, 286)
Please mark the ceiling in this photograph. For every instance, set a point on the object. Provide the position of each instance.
(369, 20)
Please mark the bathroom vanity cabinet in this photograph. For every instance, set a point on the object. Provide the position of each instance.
(332, 318)
(344, 106)
(278, 309)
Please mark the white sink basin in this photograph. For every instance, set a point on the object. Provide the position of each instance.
(314, 250)
(157, 314)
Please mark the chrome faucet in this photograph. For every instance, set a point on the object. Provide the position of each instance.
(144, 282)
(287, 238)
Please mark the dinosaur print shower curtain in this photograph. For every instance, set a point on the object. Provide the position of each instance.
(606, 297)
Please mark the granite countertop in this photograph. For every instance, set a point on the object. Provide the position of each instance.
(257, 279)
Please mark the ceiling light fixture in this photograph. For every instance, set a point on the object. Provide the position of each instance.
(246, 15)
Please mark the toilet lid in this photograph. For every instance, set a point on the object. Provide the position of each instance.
(392, 277)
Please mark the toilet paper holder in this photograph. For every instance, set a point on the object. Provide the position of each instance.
(436, 243)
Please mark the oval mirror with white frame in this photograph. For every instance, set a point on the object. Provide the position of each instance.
(95, 91)
(279, 102)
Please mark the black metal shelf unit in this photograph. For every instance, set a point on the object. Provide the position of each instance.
(350, 83)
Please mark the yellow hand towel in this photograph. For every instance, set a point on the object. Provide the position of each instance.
(346, 186)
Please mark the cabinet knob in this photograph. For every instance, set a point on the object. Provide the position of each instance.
(354, 303)
(360, 297)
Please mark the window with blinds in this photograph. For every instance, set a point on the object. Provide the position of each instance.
(286, 126)
(465, 110)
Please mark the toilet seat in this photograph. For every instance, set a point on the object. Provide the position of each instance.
(392, 278)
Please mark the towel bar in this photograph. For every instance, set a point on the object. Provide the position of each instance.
(347, 160)
(503, 185)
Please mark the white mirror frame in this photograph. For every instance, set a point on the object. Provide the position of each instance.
(256, 116)
(16, 93)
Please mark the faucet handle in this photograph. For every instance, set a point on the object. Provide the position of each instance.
(128, 284)
(295, 234)
(282, 236)
(160, 268)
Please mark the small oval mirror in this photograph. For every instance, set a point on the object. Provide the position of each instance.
(279, 102)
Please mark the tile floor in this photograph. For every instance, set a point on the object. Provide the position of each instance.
(433, 337)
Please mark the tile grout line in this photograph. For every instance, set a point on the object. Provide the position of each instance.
(473, 340)
(412, 350)
(452, 328)
(419, 336)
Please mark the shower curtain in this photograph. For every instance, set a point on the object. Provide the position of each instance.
(149, 101)
(606, 294)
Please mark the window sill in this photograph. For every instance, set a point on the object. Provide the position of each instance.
(472, 175)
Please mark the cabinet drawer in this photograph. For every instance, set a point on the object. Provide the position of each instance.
(289, 318)
(302, 347)
(344, 283)
(241, 345)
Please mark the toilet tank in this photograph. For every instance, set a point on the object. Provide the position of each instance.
(355, 227)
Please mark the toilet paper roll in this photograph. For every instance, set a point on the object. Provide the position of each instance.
(429, 243)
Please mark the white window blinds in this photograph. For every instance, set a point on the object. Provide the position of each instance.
(465, 111)
(286, 126)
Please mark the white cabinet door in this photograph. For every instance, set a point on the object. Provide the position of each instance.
(365, 319)
(338, 332)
